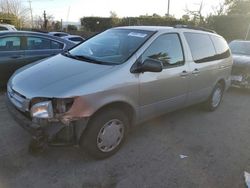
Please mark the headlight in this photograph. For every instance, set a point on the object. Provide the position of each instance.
(42, 110)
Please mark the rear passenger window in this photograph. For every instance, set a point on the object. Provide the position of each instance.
(3, 28)
(167, 49)
(10, 44)
(201, 47)
(221, 47)
(37, 43)
(56, 45)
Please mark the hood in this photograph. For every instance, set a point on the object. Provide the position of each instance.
(55, 76)
(241, 60)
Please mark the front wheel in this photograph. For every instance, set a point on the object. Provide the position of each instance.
(215, 98)
(105, 133)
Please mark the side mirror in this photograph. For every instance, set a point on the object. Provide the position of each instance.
(149, 65)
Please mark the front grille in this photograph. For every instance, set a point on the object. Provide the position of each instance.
(18, 100)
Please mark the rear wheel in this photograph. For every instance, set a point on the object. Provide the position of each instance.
(215, 98)
(105, 133)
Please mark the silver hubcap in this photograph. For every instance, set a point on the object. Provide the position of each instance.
(216, 97)
(110, 135)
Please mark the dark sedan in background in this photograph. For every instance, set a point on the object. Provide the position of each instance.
(20, 48)
(241, 63)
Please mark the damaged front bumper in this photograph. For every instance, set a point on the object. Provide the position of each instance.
(240, 77)
(51, 132)
(240, 81)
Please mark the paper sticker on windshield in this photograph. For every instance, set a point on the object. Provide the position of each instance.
(134, 34)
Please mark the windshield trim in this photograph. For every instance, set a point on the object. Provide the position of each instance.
(150, 33)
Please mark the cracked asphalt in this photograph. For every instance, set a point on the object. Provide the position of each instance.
(217, 145)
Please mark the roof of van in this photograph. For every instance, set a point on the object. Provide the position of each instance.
(160, 28)
(148, 28)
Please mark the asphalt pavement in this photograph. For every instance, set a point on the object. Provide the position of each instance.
(215, 147)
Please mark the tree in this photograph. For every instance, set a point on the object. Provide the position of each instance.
(38, 22)
(47, 21)
(15, 8)
(156, 15)
(113, 14)
(57, 26)
(71, 28)
(196, 15)
(185, 17)
(219, 9)
(238, 7)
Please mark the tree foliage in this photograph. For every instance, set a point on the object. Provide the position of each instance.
(238, 7)
(230, 26)
(97, 24)
(71, 28)
(13, 12)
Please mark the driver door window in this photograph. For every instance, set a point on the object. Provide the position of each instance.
(168, 49)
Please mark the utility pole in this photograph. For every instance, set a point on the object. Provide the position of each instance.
(45, 20)
(31, 14)
(168, 7)
(68, 18)
(8, 7)
(247, 33)
(61, 25)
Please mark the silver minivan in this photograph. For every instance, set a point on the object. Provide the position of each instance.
(93, 94)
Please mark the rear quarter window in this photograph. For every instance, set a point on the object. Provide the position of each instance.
(201, 47)
(221, 47)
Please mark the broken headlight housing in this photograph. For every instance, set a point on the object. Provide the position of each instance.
(43, 110)
(48, 108)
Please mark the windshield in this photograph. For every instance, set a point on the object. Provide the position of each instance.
(113, 46)
(240, 47)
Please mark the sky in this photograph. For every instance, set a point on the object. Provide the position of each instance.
(73, 10)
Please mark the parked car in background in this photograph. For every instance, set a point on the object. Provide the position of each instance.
(241, 63)
(93, 94)
(20, 48)
(74, 38)
(7, 27)
(58, 34)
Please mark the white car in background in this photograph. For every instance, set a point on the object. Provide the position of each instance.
(74, 38)
(7, 27)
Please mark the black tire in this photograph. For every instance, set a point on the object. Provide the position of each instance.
(209, 105)
(89, 141)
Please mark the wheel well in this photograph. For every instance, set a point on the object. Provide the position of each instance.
(223, 83)
(123, 106)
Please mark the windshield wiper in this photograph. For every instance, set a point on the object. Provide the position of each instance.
(78, 57)
(84, 58)
(91, 60)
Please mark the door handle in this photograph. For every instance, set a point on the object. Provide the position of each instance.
(184, 73)
(196, 71)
